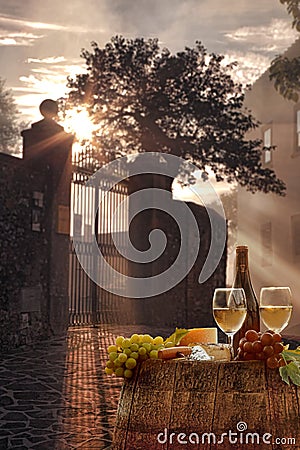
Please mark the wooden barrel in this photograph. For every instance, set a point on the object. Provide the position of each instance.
(191, 405)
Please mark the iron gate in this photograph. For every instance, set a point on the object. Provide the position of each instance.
(89, 303)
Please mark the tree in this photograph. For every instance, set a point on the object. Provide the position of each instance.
(285, 72)
(9, 126)
(293, 8)
(146, 99)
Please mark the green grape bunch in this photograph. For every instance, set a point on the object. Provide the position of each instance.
(126, 353)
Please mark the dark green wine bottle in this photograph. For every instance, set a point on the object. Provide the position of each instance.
(243, 280)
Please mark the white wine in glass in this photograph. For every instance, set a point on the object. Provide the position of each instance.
(275, 307)
(229, 310)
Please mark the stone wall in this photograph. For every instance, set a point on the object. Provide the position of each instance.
(35, 235)
(24, 254)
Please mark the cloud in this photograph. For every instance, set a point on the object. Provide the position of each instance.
(36, 88)
(12, 22)
(18, 39)
(50, 84)
(12, 26)
(273, 37)
(49, 60)
(17, 32)
(238, 29)
(57, 67)
(250, 65)
(256, 46)
(45, 82)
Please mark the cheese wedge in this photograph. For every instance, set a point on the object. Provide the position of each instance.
(200, 336)
(219, 352)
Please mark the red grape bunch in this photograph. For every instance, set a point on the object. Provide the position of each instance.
(261, 346)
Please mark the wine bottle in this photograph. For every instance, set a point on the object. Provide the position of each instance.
(243, 280)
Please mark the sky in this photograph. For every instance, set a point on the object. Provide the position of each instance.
(41, 41)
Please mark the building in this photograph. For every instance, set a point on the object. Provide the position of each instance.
(270, 224)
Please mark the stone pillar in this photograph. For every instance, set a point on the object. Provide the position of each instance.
(47, 147)
(188, 303)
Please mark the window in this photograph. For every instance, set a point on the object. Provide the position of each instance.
(297, 129)
(295, 223)
(266, 244)
(267, 143)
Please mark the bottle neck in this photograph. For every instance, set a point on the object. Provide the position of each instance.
(242, 264)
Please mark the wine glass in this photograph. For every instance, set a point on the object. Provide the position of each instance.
(229, 310)
(275, 306)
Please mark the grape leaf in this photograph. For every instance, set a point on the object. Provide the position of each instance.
(291, 371)
(284, 374)
(294, 372)
(176, 336)
(291, 355)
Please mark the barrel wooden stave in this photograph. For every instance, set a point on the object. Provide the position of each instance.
(205, 397)
(147, 391)
(284, 408)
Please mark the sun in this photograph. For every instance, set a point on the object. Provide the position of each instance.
(78, 122)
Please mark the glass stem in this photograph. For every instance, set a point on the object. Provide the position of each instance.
(230, 343)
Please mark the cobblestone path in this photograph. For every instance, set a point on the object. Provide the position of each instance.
(56, 396)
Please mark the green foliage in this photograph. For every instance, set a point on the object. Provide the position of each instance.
(9, 125)
(293, 8)
(146, 99)
(285, 71)
(176, 337)
(291, 371)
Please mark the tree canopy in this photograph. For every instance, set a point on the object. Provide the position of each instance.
(9, 125)
(285, 72)
(293, 8)
(143, 98)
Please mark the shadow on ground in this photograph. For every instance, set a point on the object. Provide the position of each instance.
(56, 396)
